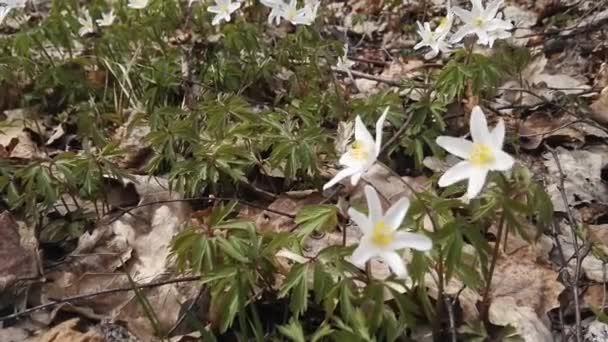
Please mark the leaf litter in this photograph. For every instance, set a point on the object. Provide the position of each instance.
(526, 285)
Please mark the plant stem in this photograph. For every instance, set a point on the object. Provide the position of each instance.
(485, 302)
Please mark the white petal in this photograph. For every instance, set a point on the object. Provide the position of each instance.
(354, 179)
(477, 9)
(476, 182)
(502, 161)
(395, 214)
(464, 15)
(340, 175)
(420, 45)
(362, 221)
(411, 240)
(373, 204)
(498, 135)
(432, 54)
(457, 146)
(479, 126)
(499, 24)
(456, 173)
(379, 127)
(362, 134)
(234, 6)
(461, 33)
(484, 38)
(362, 254)
(213, 9)
(493, 8)
(396, 264)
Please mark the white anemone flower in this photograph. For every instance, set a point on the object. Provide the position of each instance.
(303, 16)
(482, 22)
(223, 9)
(276, 10)
(436, 40)
(361, 154)
(138, 4)
(87, 24)
(344, 63)
(481, 155)
(4, 12)
(380, 235)
(6, 6)
(107, 19)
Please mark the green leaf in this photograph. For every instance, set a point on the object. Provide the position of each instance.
(293, 330)
(316, 218)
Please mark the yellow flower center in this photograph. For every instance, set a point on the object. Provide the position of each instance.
(481, 155)
(443, 23)
(382, 235)
(358, 150)
(479, 22)
(224, 9)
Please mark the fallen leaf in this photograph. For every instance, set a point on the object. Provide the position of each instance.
(138, 243)
(20, 122)
(583, 182)
(596, 332)
(18, 256)
(565, 129)
(507, 311)
(599, 108)
(70, 331)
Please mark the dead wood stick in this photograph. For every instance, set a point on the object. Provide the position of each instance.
(100, 293)
(573, 227)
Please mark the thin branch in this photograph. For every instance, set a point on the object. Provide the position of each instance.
(202, 198)
(573, 229)
(104, 292)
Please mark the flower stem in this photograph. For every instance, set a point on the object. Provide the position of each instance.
(485, 301)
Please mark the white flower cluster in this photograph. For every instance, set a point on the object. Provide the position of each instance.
(279, 9)
(6, 6)
(479, 21)
(223, 10)
(381, 237)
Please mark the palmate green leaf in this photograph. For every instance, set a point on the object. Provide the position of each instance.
(296, 275)
(451, 81)
(323, 331)
(293, 330)
(225, 273)
(316, 218)
(322, 282)
(298, 300)
(231, 248)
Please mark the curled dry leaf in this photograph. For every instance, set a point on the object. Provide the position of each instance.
(17, 137)
(599, 108)
(594, 268)
(70, 331)
(565, 129)
(17, 251)
(137, 243)
(583, 182)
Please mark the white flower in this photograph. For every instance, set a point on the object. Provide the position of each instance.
(87, 24)
(276, 10)
(138, 4)
(361, 154)
(303, 16)
(344, 63)
(436, 40)
(380, 236)
(6, 6)
(107, 19)
(482, 22)
(223, 9)
(480, 156)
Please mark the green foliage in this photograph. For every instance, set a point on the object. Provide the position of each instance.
(320, 218)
